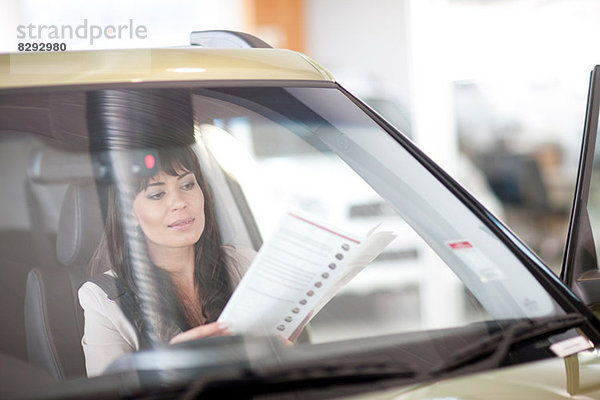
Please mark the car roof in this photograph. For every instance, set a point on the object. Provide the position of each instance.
(155, 65)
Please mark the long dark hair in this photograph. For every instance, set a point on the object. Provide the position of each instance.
(135, 112)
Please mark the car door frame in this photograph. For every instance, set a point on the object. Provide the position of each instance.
(580, 264)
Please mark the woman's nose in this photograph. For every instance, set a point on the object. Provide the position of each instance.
(177, 201)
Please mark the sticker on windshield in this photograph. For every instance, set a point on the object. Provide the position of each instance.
(570, 346)
(477, 262)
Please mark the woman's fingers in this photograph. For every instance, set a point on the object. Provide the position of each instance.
(203, 331)
(298, 330)
(286, 342)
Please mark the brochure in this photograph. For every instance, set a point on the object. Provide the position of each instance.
(297, 271)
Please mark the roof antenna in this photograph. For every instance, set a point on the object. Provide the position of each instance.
(219, 39)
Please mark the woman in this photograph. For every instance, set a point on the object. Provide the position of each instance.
(173, 216)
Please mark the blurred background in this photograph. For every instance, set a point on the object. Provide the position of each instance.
(493, 90)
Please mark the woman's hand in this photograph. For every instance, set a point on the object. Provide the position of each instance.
(289, 342)
(203, 331)
(286, 342)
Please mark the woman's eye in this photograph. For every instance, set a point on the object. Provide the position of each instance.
(156, 196)
(188, 186)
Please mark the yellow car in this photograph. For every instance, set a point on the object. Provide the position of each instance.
(225, 220)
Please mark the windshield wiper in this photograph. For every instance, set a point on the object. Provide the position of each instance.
(287, 378)
(498, 344)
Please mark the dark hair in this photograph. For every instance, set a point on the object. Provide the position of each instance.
(163, 120)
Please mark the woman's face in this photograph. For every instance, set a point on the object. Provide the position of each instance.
(170, 211)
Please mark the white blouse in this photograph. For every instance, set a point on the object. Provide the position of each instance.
(108, 334)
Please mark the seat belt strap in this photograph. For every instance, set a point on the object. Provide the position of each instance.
(116, 292)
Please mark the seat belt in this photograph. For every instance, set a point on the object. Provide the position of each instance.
(125, 299)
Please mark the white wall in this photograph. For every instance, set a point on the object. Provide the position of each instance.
(397, 48)
(358, 40)
(9, 17)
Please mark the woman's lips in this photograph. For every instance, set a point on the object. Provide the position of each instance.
(182, 224)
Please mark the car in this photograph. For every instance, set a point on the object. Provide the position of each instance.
(455, 306)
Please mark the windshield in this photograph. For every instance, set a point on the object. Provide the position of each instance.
(139, 221)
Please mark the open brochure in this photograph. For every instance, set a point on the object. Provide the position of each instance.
(296, 272)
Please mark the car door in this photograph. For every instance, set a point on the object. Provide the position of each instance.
(580, 264)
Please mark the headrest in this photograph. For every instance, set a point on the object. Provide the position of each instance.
(48, 165)
(80, 225)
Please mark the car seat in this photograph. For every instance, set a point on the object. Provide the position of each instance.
(53, 316)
